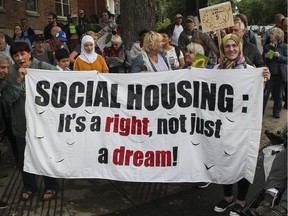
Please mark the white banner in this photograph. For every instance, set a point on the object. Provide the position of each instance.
(178, 126)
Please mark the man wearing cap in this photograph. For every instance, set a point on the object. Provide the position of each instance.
(176, 28)
(57, 42)
(188, 34)
(40, 52)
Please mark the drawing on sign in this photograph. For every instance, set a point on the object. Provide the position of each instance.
(216, 17)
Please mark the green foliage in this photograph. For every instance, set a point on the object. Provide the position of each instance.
(259, 12)
(162, 24)
(262, 12)
(169, 8)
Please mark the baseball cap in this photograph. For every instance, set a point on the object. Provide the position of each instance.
(39, 37)
(62, 36)
(178, 16)
(190, 18)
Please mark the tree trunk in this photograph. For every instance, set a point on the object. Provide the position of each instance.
(136, 15)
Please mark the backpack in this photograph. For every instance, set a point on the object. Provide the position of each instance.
(177, 50)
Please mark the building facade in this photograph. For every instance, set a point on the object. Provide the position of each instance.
(12, 11)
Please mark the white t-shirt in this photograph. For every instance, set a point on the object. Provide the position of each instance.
(176, 33)
(161, 65)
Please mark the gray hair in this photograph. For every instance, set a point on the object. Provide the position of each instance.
(195, 47)
(4, 57)
(2, 36)
(241, 25)
(116, 39)
(279, 33)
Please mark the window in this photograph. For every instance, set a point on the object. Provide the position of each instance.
(62, 7)
(31, 5)
(1, 4)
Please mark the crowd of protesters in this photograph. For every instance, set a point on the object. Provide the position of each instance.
(74, 47)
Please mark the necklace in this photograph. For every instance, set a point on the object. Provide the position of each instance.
(154, 58)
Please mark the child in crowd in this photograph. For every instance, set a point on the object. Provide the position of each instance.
(62, 59)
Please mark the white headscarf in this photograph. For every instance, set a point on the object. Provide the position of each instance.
(88, 57)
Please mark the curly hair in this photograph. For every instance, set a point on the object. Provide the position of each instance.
(279, 34)
(150, 40)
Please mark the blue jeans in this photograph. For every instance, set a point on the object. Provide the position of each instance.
(275, 86)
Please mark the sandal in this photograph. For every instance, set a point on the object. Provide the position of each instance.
(49, 195)
(26, 195)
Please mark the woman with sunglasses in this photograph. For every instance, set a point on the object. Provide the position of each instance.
(117, 57)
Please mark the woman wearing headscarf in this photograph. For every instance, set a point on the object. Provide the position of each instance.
(15, 94)
(89, 60)
(233, 53)
(233, 58)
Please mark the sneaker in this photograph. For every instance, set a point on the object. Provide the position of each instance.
(223, 205)
(3, 205)
(276, 115)
(203, 185)
(237, 210)
(276, 211)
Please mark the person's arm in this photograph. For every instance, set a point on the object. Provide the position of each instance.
(282, 56)
(73, 56)
(181, 60)
(15, 81)
(137, 65)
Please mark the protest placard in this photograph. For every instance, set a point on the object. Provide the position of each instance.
(104, 38)
(216, 17)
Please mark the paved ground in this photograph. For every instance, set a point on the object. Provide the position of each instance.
(103, 197)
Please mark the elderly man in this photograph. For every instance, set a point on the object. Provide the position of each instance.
(175, 29)
(4, 47)
(188, 34)
(57, 41)
(5, 126)
(40, 52)
(250, 51)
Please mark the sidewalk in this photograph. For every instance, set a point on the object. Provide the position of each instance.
(94, 197)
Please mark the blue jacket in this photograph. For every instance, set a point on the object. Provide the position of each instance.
(142, 63)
